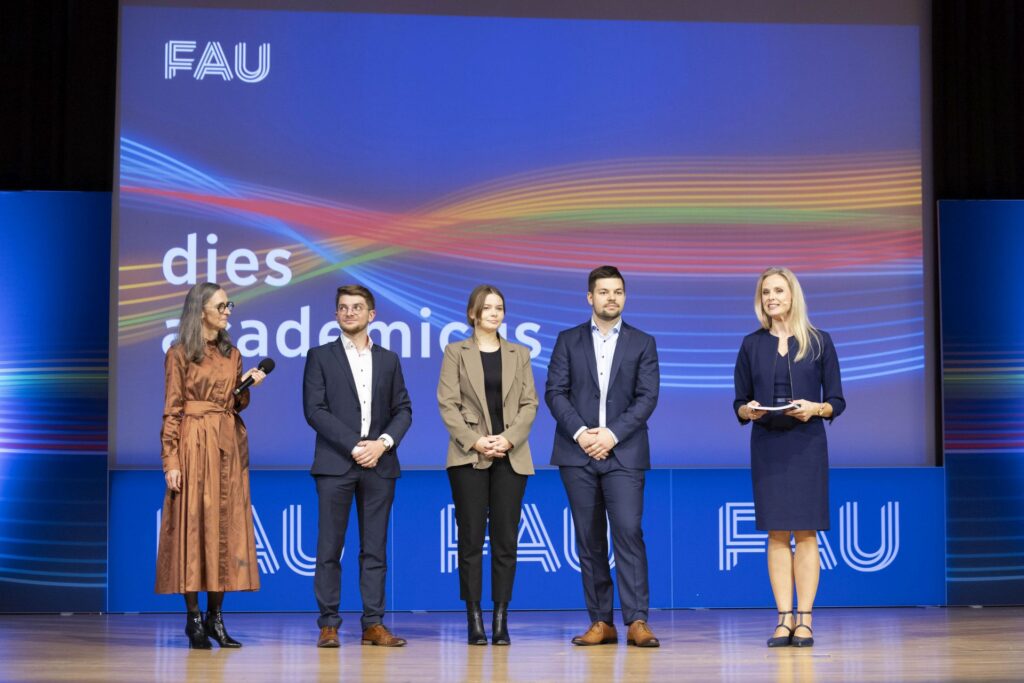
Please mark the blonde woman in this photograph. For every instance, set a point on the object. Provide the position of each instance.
(487, 400)
(789, 363)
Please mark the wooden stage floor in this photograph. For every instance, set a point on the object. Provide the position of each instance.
(903, 644)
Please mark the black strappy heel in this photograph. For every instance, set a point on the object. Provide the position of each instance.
(782, 641)
(802, 641)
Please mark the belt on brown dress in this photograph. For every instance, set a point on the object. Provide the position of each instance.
(204, 408)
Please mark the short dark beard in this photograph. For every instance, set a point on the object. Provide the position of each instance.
(601, 316)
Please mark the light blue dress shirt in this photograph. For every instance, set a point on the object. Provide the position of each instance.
(604, 352)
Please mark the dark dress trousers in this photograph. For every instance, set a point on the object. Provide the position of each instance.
(612, 489)
(331, 406)
(788, 458)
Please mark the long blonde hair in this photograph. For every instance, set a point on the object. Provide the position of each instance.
(807, 336)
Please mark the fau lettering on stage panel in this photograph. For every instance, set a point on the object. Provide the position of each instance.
(885, 547)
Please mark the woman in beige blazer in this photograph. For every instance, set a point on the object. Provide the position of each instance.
(487, 401)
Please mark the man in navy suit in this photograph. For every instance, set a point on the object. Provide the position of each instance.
(602, 386)
(354, 396)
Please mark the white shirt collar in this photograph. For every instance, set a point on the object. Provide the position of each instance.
(349, 344)
(595, 328)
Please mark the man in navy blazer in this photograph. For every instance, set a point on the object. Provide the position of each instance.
(354, 397)
(602, 387)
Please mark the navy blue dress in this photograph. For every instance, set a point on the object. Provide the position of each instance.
(788, 458)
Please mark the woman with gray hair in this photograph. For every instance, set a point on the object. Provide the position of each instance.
(206, 533)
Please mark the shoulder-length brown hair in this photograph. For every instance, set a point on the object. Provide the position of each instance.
(476, 301)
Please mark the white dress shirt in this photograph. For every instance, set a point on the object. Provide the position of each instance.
(604, 352)
(361, 362)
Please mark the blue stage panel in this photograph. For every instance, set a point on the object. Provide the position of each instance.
(688, 550)
(884, 547)
(285, 525)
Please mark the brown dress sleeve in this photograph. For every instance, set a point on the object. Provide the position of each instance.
(242, 400)
(174, 405)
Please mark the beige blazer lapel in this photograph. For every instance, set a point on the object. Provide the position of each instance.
(475, 371)
(509, 365)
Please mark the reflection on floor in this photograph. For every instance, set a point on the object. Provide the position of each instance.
(903, 644)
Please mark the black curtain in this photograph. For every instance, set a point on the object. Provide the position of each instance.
(57, 74)
(57, 69)
(978, 107)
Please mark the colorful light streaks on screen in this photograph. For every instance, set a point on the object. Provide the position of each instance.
(980, 248)
(423, 155)
(855, 215)
(53, 401)
(982, 355)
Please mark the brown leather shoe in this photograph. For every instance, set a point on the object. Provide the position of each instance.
(599, 633)
(640, 635)
(328, 637)
(378, 634)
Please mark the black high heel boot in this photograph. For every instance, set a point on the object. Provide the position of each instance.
(475, 624)
(196, 632)
(215, 629)
(499, 624)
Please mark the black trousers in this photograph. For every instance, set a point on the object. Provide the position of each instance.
(495, 493)
(374, 495)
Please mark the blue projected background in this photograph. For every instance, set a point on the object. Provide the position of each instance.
(54, 269)
(980, 248)
(285, 153)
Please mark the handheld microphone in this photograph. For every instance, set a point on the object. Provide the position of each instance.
(266, 365)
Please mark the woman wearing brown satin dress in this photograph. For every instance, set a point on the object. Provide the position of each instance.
(206, 532)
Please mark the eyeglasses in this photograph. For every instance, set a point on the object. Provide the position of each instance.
(355, 308)
(226, 306)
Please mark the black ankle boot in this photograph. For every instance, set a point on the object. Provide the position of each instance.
(196, 632)
(499, 624)
(475, 624)
(215, 629)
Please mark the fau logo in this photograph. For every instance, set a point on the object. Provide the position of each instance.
(734, 541)
(534, 541)
(295, 558)
(178, 56)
